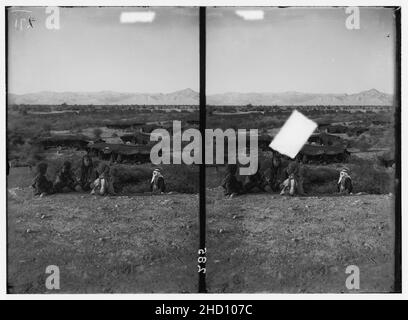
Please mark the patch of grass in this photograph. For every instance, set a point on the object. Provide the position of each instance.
(366, 175)
(370, 177)
(320, 180)
(128, 178)
(136, 179)
(181, 178)
(26, 154)
(131, 179)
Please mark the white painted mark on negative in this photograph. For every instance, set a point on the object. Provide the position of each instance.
(250, 14)
(293, 135)
(138, 16)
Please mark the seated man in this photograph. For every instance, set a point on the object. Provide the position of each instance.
(344, 184)
(294, 183)
(65, 180)
(231, 185)
(87, 174)
(277, 174)
(289, 186)
(256, 180)
(42, 186)
(157, 183)
(103, 185)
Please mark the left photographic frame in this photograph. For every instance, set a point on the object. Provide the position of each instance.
(88, 209)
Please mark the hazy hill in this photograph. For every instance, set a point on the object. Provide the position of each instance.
(190, 97)
(182, 97)
(369, 97)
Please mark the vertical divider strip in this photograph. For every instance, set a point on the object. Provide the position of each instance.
(202, 219)
(397, 124)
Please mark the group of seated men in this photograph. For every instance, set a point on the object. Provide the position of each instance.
(282, 175)
(96, 179)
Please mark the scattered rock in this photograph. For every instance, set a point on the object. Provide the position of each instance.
(333, 269)
(166, 202)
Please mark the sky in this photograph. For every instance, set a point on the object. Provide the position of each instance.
(299, 49)
(93, 51)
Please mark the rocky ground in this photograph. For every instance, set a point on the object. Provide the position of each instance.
(144, 243)
(102, 244)
(270, 243)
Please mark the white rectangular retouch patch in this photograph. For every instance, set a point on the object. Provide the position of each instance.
(138, 16)
(293, 135)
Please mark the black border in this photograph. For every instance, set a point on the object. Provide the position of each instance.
(6, 21)
(397, 126)
(202, 219)
(202, 106)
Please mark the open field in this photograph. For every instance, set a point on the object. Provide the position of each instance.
(135, 242)
(121, 244)
(262, 242)
(368, 137)
(270, 243)
(130, 243)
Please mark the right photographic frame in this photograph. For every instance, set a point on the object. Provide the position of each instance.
(303, 184)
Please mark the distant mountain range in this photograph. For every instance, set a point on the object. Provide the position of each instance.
(182, 97)
(190, 97)
(369, 97)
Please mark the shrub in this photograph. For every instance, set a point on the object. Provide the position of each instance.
(366, 175)
(136, 179)
(320, 179)
(181, 178)
(371, 178)
(97, 132)
(130, 173)
(319, 174)
(26, 154)
(46, 128)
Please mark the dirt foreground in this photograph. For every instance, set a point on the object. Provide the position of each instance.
(120, 244)
(270, 243)
(143, 243)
